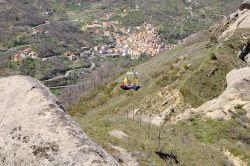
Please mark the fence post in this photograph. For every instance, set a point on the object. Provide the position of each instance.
(149, 124)
(140, 118)
(127, 119)
(159, 140)
(133, 114)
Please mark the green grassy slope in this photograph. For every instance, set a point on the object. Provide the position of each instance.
(105, 109)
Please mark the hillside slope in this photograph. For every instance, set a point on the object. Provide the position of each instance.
(181, 79)
(54, 29)
(234, 97)
(176, 19)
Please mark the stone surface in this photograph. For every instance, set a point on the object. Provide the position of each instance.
(157, 108)
(36, 130)
(238, 20)
(125, 158)
(118, 134)
(236, 93)
(221, 108)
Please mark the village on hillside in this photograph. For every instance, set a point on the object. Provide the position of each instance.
(128, 41)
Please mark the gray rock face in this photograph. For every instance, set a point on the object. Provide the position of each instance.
(36, 130)
(224, 106)
(236, 93)
(237, 20)
(245, 5)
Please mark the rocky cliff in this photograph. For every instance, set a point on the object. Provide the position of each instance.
(238, 20)
(237, 94)
(235, 97)
(36, 130)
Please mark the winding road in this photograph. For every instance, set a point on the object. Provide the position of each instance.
(64, 86)
(68, 73)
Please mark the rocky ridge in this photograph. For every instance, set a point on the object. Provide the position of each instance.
(237, 20)
(236, 96)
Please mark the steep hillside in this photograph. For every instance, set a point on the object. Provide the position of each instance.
(166, 122)
(160, 123)
(235, 98)
(62, 52)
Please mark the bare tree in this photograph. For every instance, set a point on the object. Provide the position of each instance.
(99, 76)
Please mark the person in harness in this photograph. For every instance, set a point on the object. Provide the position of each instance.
(133, 84)
(124, 85)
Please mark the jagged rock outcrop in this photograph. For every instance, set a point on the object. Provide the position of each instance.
(245, 5)
(236, 95)
(158, 107)
(36, 130)
(238, 20)
(118, 134)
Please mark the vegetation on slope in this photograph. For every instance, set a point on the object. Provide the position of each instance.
(200, 76)
(175, 18)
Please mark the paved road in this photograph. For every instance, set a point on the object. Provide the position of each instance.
(68, 73)
(64, 86)
(16, 48)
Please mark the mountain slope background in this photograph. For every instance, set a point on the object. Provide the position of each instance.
(175, 19)
(63, 20)
(174, 83)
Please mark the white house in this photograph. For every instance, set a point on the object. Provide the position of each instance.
(32, 54)
(23, 56)
(125, 51)
(45, 59)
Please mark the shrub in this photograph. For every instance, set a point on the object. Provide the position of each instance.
(213, 56)
(134, 18)
(214, 39)
(231, 45)
(238, 106)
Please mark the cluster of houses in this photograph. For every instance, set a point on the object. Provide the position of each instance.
(39, 31)
(128, 41)
(26, 53)
(78, 55)
(71, 55)
(47, 12)
(132, 42)
(146, 40)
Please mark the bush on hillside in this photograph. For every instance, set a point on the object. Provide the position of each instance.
(200, 36)
(135, 18)
(213, 56)
(213, 39)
